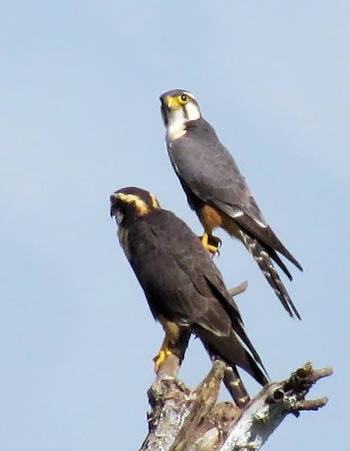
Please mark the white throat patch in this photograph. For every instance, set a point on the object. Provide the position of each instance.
(192, 111)
(178, 119)
(176, 125)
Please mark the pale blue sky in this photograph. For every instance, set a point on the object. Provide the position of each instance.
(79, 116)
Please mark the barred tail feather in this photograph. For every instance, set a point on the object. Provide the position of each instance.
(264, 261)
(232, 381)
(235, 387)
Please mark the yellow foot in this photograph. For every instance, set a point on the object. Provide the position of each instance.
(211, 243)
(160, 357)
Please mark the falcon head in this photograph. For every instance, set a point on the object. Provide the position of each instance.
(128, 204)
(178, 107)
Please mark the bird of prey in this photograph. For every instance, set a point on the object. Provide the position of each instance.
(217, 191)
(184, 289)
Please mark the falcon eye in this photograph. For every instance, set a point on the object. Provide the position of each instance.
(183, 99)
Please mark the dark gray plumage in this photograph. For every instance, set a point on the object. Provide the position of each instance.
(180, 281)
(217, 191)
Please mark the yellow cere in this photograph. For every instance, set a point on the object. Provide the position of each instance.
(173, 103)
(177, 102)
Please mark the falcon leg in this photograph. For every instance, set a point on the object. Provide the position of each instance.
(210, 242)
(175, 343)
(163, 353)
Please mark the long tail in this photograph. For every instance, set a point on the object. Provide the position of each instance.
(233, 381)
(233, 353)
(264, 260)
(235, 387)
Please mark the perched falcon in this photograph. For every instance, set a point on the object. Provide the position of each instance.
(183, 287)
(217, 191)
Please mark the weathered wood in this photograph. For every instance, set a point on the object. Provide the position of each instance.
(268, 409)
(238, 289)
(170, 401)
(205, 398)
(185, 420)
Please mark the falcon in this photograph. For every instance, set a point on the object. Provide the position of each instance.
(217, 191)
(184, 289)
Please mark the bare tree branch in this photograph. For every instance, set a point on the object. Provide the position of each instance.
(238, 289)
(185, 420)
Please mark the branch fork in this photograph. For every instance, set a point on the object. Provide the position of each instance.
(192, 420)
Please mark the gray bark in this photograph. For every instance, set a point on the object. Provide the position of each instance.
(192, 420)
